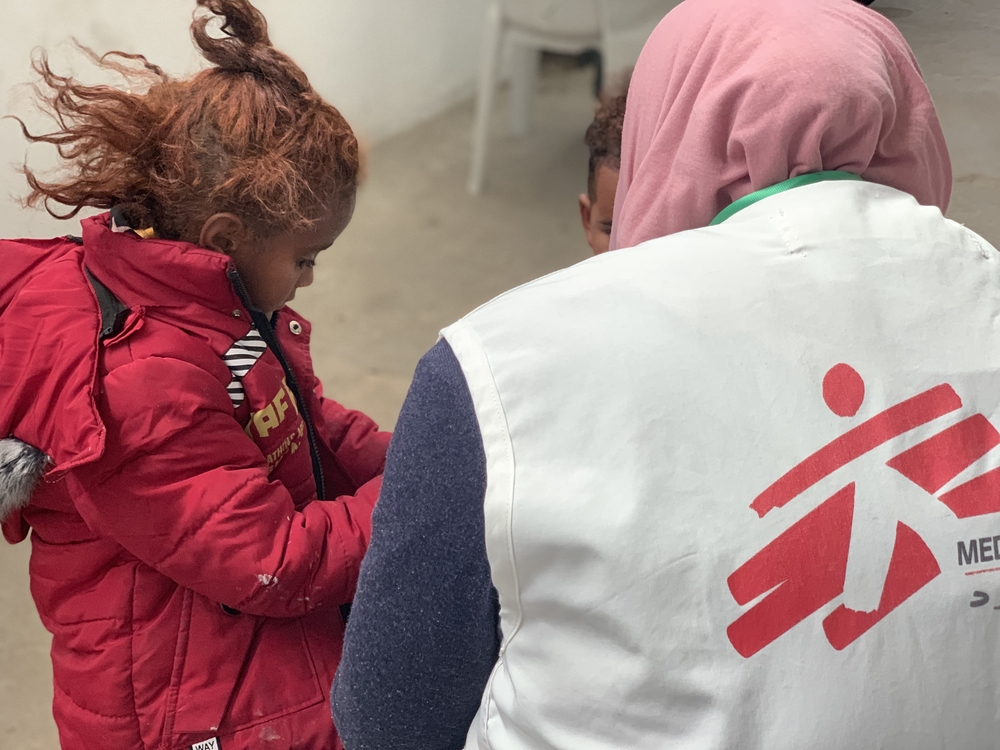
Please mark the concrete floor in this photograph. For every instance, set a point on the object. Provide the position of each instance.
(421, 253)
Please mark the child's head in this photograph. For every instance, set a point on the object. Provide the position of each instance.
(244, 157)
(597, 205)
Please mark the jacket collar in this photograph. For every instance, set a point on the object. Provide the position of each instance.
(186, 284)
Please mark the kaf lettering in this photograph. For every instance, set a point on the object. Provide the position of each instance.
(271, 416)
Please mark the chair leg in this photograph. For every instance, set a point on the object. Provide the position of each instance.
(523, 77)
(484, 101)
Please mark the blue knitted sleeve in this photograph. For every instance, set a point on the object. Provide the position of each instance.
(423, 633)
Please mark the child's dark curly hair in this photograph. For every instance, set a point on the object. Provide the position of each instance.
(248, 136)
(604, 139)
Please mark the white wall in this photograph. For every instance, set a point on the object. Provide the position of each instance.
(386, 64)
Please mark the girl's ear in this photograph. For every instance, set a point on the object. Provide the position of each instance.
(225, 233)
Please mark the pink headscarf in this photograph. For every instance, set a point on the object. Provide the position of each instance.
(732, 96)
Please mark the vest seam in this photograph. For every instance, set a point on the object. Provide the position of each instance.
(788, 234)
(496, 408)
(469, 343)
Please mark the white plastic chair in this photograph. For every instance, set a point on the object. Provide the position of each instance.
(618, 28)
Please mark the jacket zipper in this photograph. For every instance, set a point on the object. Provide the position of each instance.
(267, 333)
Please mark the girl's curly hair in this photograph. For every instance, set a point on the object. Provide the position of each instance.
(248, 136)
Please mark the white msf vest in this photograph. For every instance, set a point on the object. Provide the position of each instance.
(743, 486)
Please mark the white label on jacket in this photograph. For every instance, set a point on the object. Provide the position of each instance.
(212, 744)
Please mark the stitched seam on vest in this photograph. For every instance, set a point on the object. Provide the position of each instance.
(496, 409)
(787, 232)
(508, 448)
(508, 451)
(489, 703)
(463, 338)
(979, 245)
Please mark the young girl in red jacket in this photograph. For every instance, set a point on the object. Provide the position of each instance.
(197, 509)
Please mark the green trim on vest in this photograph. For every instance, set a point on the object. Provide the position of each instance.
(781, 187)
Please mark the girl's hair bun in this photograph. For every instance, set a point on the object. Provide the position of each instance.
(245, 46)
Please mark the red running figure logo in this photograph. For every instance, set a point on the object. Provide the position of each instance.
(806, 566)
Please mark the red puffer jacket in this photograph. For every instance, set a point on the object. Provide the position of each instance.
(190, 577)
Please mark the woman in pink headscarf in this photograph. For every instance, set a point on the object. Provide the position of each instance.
(724, 488)
(725, 101)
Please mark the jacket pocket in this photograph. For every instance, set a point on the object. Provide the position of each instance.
(212, 649)
(233, 671)
(278, 677)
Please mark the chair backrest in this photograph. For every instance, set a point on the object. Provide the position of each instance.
(627, 15)
(625, 27)
(620, 27)
(558, 17)
(579, 18)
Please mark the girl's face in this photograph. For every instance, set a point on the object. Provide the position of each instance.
(274, 269)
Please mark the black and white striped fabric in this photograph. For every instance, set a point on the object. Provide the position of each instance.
(239, 359)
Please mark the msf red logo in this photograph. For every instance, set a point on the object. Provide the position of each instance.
(805, 568)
